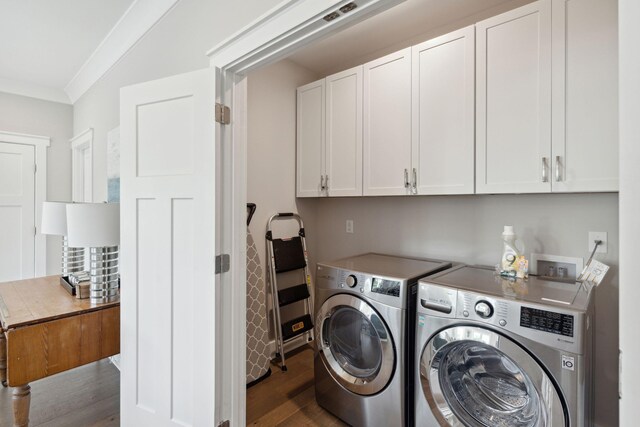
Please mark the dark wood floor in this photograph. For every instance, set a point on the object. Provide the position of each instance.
(90, 397)
(83, 397)
(288, 398)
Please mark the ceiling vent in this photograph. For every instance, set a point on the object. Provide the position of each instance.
(330, 17)
(348, 7)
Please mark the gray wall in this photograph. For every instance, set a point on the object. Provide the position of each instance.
(468, 229)
(271, 150)
(22, 114)
(177, 44)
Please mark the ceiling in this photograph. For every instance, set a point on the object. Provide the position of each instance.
(45, 43)
(404, 25)
(57, 49)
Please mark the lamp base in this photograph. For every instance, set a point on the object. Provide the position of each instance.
(105, 278)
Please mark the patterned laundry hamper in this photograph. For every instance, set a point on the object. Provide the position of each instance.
(258, 360)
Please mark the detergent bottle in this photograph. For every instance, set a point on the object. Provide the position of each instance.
(510, 252)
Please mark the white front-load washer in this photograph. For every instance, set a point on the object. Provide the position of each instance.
(364, 337)
(502, 353)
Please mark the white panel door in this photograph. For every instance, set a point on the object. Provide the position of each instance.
(17, 212)
(443, 113)
(168, 138)
(310, 155)
(344, 133)
(513, 105)
(585, 95)
(387, 125)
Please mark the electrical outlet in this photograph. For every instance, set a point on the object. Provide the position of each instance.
(349, 226)
(598, 235)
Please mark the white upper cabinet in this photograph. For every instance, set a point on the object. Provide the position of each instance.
(513, 104)
(387, 125)
(343, 172)
(585, 95)
(310, 140)
(443, 114)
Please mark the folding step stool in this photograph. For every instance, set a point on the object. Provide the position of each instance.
(289, 254)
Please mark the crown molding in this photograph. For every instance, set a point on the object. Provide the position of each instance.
(141, 16)
(33, 91)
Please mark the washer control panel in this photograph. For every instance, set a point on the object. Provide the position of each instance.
(554, 326)
(383, 289)
(484, 309)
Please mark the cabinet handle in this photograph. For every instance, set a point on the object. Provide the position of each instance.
(322, 183)
(326, 183)
(545, 178)
(558, 168)
(415, 181)
(406, 179)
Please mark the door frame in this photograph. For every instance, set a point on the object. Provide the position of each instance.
(279, 32)
(79, 144)
(40, 145)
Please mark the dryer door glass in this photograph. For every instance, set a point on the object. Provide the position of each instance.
(475, 377)
(354, 342)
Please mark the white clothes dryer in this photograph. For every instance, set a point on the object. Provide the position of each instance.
(501, 353)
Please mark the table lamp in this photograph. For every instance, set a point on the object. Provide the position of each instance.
(54, 222)
(97, 226)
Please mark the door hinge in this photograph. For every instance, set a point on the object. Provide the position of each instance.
(35, 231)
(223, 263)
(224, 423)
(223, 114)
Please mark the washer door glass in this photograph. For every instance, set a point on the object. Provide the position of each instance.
(474, 377)
(355, 344)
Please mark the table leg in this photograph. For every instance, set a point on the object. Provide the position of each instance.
(3, 358)
(21, 403)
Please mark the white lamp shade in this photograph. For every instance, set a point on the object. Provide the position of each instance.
(54, 218)
(93, 224)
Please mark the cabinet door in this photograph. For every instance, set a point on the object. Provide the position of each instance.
(310, 139)
(585, 95)
(387, 124)
(344, 133)
(513, 104)
(443, 113)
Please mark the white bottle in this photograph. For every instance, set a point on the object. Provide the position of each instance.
(510, 252)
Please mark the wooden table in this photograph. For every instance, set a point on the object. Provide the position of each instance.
(44, 331)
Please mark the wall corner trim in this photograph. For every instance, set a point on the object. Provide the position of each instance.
(134, 24)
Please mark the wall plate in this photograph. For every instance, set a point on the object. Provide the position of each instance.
(556, 267)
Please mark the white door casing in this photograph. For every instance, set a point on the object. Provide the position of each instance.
(443, 148)
(17, 212)
(513, 101)
(82, 167)
(29, 152)
(168, 240)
